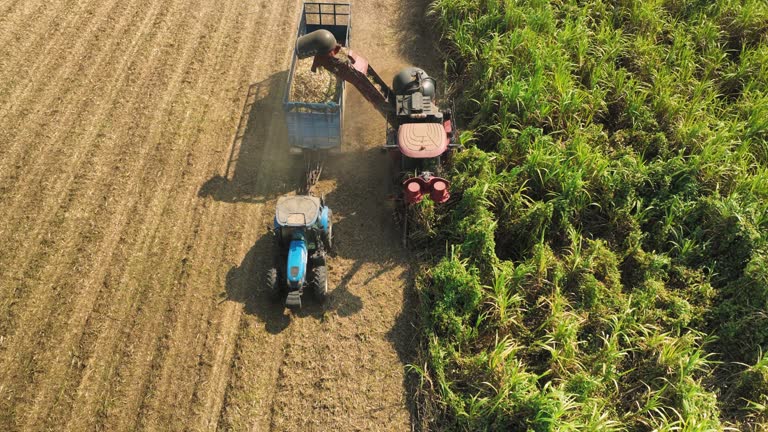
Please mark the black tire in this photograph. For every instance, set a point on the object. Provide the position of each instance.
(320, 282)
(273, 284)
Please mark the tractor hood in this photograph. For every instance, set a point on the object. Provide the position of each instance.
(297, 264)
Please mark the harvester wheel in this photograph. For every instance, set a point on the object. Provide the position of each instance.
(273, 284)
(320, 282)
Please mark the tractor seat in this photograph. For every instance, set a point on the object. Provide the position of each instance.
(422, 140)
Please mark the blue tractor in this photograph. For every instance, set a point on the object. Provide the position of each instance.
(303, 233)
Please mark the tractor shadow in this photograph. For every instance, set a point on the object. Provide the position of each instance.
(246, 284)
(258, 149)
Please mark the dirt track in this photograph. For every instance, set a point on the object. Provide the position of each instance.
(132, 246)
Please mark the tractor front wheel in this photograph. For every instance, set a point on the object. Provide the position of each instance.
(320, 282)
(327, 237)
(273, 284)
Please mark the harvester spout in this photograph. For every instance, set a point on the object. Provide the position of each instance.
(320, 42)
(349, 66)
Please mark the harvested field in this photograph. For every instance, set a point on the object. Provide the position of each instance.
(141, 153)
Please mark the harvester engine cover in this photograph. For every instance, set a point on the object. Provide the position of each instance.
(415, 96)
(422, 140)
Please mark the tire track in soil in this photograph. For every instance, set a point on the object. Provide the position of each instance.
(81, 314)
(38, 298)
(157, 356)
(81, 206)
(166, 364)
(86, 196)
(78, 33)
(25, 205)
(10, 10)
(215, 333)
(104, 361)
(80, 23)
(12, 33)
(29, 128)
(93, 125)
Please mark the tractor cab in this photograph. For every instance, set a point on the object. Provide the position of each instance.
(303, 234)
(297, 217)
(297, 211)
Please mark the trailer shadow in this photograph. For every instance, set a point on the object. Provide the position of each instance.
(259, 142)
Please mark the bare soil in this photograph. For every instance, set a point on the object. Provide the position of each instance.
(142, 148)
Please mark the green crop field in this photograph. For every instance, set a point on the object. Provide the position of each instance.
(606, 251)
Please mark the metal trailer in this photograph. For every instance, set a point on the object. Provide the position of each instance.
(318, 126)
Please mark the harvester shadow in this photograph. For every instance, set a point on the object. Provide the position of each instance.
(365, 233)
(259, 145)
(405, 337)
(419, 44)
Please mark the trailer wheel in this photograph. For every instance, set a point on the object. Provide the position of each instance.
(320, 282)
(273, 284)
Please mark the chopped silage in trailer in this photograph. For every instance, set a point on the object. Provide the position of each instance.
(319, 86)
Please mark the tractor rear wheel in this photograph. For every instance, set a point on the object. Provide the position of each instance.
(320, 282)
(273, 284)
